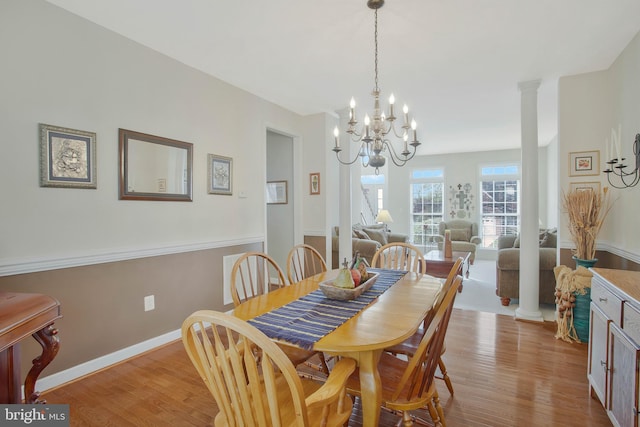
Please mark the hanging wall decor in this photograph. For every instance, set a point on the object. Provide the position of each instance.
(461, 201)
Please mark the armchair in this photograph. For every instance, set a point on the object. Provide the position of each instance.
(464, 236)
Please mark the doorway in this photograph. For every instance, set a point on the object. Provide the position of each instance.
(280, 236)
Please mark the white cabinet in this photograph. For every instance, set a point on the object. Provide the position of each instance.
(597, 367)
(614, 344)
(623, 378)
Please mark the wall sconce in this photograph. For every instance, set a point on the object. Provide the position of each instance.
(616, 167)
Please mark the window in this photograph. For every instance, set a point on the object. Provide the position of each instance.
(427, 196)
(500, 202)
(372, 197)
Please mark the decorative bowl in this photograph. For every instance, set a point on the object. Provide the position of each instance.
(346, 294)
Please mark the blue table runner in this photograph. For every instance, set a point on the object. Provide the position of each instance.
(306, 320)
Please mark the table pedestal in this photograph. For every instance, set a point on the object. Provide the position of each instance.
(22, 315)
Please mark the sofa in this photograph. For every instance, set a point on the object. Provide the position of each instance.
(464, 236)
(365, 239)
(508, 267)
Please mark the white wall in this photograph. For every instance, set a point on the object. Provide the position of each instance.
(62, 70)
(590, 105)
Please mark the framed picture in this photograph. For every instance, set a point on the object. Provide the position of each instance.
(67, 157)
(277, 192)
(314, 183)
(584, 163)
(584, 186)
(220, 175)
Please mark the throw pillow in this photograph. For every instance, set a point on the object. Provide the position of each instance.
(544, 240)
(361, 234)
(552, 239)
(460, 234)
(377, 235)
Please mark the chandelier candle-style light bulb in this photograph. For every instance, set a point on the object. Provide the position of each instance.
(336, 133)
(375, 135)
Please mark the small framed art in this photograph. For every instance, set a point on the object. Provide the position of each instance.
(220, 173)
(314, 183)
(67, 157)
(277, 193)
(584, 186)
(584, 163)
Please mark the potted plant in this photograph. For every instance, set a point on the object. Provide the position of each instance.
(587, 210)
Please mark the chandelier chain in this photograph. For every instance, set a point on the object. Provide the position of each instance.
(375, 38)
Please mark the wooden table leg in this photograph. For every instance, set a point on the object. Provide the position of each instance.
(10, 391)
(47, 338)
(370, 387)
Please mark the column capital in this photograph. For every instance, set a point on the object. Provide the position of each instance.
(529, 85)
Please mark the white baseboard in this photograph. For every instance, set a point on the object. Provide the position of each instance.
(102, 362)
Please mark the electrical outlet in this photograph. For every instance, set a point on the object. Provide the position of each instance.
(149, 303)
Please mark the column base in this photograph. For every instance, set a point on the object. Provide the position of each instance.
(532, 316)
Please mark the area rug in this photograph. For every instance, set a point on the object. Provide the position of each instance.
(479, 293)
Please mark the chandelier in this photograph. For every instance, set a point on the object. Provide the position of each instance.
(374, 135)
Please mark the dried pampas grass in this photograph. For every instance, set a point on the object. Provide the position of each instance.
(587, 210)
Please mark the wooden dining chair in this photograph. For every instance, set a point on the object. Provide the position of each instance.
(304, 261)
(264, 391)
(399, 256)
(256, 273)
(410, 345)
(409, 384)
(253, 274)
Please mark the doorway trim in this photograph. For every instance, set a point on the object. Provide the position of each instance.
(297, 184)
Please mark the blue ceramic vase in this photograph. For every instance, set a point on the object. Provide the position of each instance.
(586, 263)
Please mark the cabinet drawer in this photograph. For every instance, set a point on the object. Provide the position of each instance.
(606, 301)
(631, 321)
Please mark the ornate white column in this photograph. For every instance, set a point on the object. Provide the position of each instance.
(529, 308)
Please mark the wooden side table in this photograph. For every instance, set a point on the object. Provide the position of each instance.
(438, 266)
(21, 315)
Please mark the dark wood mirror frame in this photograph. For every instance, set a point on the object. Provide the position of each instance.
(139, 166)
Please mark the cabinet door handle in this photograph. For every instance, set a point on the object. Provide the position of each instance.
(602, 299)
(604, 365)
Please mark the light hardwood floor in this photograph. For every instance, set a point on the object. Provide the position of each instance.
(504, 373)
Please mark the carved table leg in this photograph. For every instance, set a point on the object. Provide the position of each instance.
(47, 338)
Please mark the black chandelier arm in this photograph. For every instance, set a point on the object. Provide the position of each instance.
(624, 183)
(623, 175)
(617, 168)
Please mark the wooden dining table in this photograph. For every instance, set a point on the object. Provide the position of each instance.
(390, 319)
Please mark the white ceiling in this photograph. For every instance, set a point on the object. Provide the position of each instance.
(456, 63)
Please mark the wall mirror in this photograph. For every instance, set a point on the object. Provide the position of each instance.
(154, 168)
